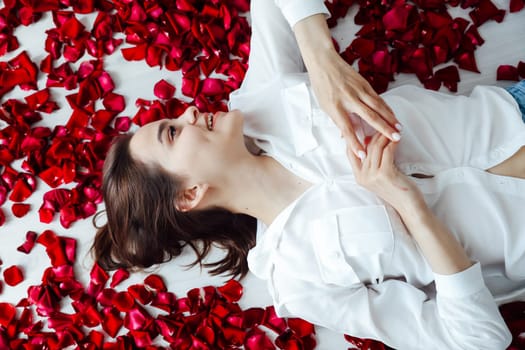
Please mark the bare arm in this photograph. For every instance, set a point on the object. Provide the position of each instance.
(338, 87)
(378, 173)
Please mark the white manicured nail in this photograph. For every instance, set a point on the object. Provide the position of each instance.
(399, 127)
(361, 155)
(396, 136)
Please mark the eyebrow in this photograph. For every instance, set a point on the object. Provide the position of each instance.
(162, 126)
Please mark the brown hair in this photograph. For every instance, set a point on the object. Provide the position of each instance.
(144, 227)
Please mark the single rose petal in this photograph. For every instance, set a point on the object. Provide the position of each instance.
(164, 90)
(139, 292)
(2, 217)
(20, 209)
(449, 76)
(507, 72)
(122, 124)
(13, 275)
(301, 327)
(155, 282)
(466, 60)
(21, 191)
(111, 322)
(7, 314)
(516, 5)
(114, 102)
(486, 10)
(123, 301)
(28, 245)
(256, 339)
(231, 291)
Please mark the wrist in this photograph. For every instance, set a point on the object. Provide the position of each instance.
(314, 39)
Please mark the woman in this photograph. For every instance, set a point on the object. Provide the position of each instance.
(402, 252)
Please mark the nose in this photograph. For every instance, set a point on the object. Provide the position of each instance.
(191, 114)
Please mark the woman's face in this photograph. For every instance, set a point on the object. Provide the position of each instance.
(189, 145)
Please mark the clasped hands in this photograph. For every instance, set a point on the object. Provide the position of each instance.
(341, 91)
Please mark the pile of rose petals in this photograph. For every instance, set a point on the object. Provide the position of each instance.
(208, 42)
(418, 37)
(205, 318)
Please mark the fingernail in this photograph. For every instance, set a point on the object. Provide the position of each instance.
(396, 136)
(399, 127)
(361, 155)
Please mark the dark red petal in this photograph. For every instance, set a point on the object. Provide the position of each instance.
(516, 5)
(507, 72)
(119, 276)
(156, 283)
(13, 275)
(122, 124)
(123, 301)
(21, 191)
(114, 102)
(466, 60)
(164, 90)
(486, 10)
(20, 209)
(521, 71)
(301, 327)
(449, 76)
(7, 314)
(231, 291)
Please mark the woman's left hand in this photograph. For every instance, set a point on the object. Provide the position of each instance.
(378, 173)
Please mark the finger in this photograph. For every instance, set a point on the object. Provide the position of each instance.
(388, 154)
(375, 151)
(376, 103)
(353, 143)
(377, 122)
(342, 120)
(355, 162)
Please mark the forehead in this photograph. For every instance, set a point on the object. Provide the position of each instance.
(144, 143)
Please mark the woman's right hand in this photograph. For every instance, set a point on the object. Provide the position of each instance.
(378, 173)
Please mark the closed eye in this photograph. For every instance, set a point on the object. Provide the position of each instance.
(172, 132)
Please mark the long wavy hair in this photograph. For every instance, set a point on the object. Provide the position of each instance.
(144, 227)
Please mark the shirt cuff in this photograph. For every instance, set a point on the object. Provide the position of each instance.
(296, 10)
(461, 284)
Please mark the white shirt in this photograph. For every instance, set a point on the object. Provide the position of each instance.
(340, 258)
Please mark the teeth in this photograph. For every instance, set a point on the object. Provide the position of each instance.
(209, 121)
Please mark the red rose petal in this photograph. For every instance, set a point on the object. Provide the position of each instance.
(114, 102)
(486, 10)
(231, 291)
(2, 217)
(122, 124)
(516, 5)
(140, 293)
(156, 283)
(13, 275)
(123, 301)
(521, 71)
(28, 245)
(466, 60)
(164, 90)
(7, 314)
(507, 72)
(449, 76)
(21, 191)
(20, 209)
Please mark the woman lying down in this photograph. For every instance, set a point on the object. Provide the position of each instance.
(394, 239)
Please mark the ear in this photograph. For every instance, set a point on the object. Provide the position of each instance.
(191, 197)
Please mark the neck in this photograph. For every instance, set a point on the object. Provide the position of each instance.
(262, 187)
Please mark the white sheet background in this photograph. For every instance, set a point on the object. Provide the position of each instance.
(504, 44)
